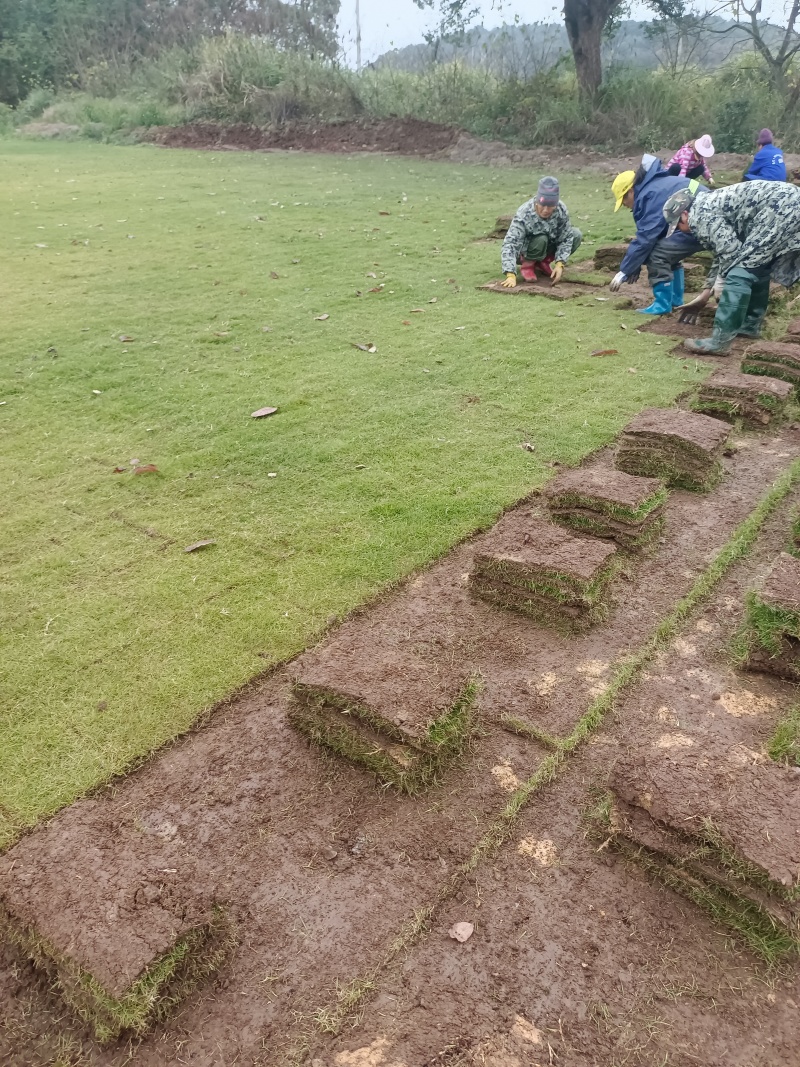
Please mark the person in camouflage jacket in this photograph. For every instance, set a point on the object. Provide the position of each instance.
(753, 229)
(540, 235)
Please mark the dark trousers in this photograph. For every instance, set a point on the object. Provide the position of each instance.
(668, 254)
(695, 172)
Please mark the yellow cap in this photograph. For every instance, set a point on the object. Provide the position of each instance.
(622, 184)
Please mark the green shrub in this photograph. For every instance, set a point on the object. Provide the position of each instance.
(34, 105)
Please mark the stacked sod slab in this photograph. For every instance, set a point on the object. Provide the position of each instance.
(755, 400)
(769, 638)
(400, 715)
(680, 447)
(609, 504)
(717, 826)
(609, 258)
(543, 571)
(123, 934)
(775, 359)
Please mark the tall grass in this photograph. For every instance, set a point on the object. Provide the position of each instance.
(236, 78)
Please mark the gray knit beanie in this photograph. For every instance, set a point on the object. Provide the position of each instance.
(547, 193)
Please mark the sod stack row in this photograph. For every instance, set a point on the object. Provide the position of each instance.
(755, 400)
(609, 504)
(680, 447)
(717, 828)
(769, 639)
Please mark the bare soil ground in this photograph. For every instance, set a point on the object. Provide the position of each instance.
(412, 137)
(320, 869)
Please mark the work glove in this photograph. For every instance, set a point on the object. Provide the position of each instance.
(719, 285)
(617, 281)
(555, 272)
(690, 312)
(711, 182)
(510, 282)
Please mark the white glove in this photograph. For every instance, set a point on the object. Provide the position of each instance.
(617, 281)
(719, 285)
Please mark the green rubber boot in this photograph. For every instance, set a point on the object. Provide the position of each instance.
(730, 316)
(756, 309)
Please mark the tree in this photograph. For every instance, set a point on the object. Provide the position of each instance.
(778, 57)
(588, 21)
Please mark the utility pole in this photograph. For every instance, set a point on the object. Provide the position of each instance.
(358, 36)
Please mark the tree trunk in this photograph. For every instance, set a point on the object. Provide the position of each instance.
(585, 21)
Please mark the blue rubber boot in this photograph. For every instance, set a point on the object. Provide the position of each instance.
(662, 305)
(678, 287)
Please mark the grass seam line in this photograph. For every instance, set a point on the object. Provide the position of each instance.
(331, 1018)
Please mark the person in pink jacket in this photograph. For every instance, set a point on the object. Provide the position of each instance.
(691, 161)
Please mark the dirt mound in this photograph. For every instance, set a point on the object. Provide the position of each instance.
(405, 136)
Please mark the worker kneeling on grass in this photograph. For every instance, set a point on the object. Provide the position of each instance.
(540, 236)
(645, 192)
(753, 229)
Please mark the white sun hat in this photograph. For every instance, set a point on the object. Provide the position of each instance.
(704, 146)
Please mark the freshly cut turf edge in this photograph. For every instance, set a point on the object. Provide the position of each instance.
(349, 998)
(322, 715)
(158, 989)
(784, 745)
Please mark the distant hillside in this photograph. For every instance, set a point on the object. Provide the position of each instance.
(522, 51)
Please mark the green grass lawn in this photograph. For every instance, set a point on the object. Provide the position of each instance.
(114, 639)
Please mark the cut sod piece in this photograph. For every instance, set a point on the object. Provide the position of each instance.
(681, 447)
(543, 571)
(403, 717)
(121, 942)
(792, 333)
(609, 503)
(776, 359)
(754, 399)
(769, 639)
(718, 826)
(565, 290)
(610, 257)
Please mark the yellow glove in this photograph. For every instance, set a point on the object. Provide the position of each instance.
(510, 282)
(555, 272)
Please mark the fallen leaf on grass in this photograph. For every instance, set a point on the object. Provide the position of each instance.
(603, 299)
(120, 470)
(433, 300)
(371, 274)
(622, 326)
(368, 347)
(41, 246)
(274, 274)
(97, 392)
(406, 322)
(222, 333)
(417, 311)
(148, 468)
(604, 352)
(632, 370)
(461, 931)
(378, 288)
(384, 212)
(197, 545)
(526, 446)
(124, 337)
(263, 412)
(321, 318)
(461, 327)
(266, 329)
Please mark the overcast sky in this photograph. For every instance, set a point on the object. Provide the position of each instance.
(393, 25)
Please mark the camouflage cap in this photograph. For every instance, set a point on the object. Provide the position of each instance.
(677, 204)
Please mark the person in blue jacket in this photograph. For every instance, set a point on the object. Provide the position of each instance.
(768, 164)
(644, 192)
